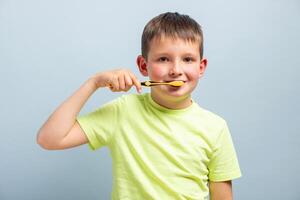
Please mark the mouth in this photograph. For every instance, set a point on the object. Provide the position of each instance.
(174, 80)
(180, 82)
(175, 83)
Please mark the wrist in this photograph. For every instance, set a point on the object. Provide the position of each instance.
(91, 84)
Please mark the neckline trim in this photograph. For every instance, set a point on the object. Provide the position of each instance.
(169, 110)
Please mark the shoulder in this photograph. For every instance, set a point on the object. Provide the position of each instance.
(211, 122)
(210, 117)
(131, 101)
(131, 98)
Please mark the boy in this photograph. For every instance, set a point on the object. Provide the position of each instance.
(163, 145)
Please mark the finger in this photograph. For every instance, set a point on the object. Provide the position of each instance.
(115, 84)
(136, 83)
(122, 85)
(128, 82)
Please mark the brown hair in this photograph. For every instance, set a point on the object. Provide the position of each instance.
(173, 25)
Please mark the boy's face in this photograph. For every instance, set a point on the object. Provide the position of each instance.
(173, 59)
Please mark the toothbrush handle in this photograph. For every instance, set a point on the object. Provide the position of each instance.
(147, 83)
(152, 83)
(143, 83)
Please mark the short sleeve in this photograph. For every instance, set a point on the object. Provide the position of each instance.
(100, 125)
(224, 164)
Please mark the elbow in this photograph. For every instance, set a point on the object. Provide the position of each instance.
(43, 142)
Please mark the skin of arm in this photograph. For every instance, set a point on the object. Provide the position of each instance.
(61, 130)
(220, 190)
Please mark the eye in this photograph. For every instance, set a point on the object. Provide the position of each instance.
(188, 59)
(163, 59)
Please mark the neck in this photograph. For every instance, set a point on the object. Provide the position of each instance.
(173, 102)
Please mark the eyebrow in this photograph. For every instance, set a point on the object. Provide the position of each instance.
(167, 54)
(191, 54)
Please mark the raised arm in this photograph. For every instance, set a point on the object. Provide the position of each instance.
(61, 130)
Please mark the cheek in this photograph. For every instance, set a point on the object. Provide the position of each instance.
(158, 71)
(192, 73)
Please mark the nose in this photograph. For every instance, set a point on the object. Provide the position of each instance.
(176, 69)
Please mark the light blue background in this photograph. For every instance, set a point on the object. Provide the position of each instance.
(49, 48)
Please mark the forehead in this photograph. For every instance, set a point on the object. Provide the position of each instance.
(167, 44)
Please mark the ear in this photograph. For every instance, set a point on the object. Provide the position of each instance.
(142, 64)
(202, 66)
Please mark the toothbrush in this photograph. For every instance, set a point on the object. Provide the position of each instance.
(154, 83)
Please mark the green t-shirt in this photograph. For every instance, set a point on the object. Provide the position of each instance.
(160, 153)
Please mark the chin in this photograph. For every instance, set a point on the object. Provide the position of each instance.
(177, 92)
(173, 92)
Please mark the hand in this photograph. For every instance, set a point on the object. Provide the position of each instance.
(117, 80)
